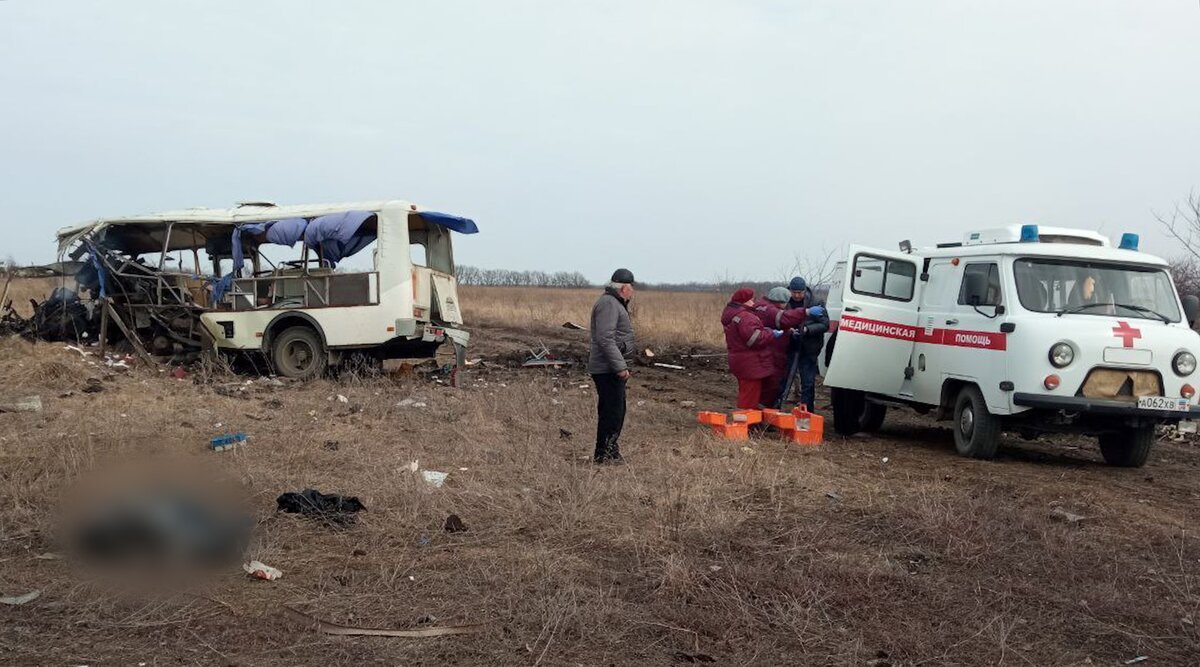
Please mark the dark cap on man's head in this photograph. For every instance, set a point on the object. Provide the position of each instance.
(623, 276)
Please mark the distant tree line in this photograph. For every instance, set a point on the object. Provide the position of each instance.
(473, 275)
(817, 267)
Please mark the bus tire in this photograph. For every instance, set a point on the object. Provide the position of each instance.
(872, 416)
(976, 431)
(1128, 448)
(848, 406)
(298, 353)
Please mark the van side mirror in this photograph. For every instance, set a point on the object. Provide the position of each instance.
(1191, 309)
(977, 286)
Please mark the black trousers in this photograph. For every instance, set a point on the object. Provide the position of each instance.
(610, 415)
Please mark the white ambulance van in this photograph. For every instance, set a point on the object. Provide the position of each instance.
(1024, 329)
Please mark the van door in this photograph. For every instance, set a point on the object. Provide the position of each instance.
(937, 300)
(972, 345)
(833, 303)
(878, 322)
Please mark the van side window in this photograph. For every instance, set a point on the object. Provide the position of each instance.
(885, 278)
(989, 271)
(938, 293)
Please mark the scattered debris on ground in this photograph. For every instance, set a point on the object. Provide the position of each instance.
(21, 599)
(222, 442)
(327, 507)
(434, 478)
(454, 524)
(260, 570)
(544, 358)
(27, 404)
(1060, 514)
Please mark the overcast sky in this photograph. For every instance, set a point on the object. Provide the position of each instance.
(684, 139)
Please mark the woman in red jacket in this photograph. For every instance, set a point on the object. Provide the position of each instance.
(773, 312)
(750, 348)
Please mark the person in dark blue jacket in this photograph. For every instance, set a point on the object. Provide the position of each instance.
(806, 342)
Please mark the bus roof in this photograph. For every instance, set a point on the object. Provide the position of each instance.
(201, 223)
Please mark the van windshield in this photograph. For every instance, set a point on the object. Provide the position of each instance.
(1095, 288)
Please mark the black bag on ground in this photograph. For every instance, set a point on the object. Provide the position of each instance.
(311, 502)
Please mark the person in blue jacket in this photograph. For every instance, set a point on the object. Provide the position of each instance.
(807, 341)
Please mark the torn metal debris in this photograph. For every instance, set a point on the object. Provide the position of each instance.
(543, 358)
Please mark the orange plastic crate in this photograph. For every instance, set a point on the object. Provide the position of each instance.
(782, 421)
(751, 416)
(734, 431)
(815, 433)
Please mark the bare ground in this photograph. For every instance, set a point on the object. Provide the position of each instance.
(869, 550)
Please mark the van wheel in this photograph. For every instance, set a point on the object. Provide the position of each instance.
(976, 431)
(872, 416)
(1128, 448)
(848, 406)
(297, 352)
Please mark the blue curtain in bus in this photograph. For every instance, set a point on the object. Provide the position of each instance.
(339, 235)
(451, 222)
(279, 232)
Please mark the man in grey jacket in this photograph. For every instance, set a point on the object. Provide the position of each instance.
(612, 345)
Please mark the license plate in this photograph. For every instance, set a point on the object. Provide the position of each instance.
(1163, 403)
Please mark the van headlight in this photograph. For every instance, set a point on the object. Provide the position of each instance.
(1061, 355)
(1184, 363)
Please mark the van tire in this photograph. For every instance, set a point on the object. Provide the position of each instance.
(872, 416)
(848, 406)
(1128, 448)
(976, 431)
(297, 352)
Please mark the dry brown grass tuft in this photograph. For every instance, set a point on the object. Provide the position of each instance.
(21, 290)
(27, 367)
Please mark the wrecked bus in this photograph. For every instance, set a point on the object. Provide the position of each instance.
(301, 314)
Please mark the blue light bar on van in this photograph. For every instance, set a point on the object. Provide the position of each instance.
(1029, 234)
(1129, 241)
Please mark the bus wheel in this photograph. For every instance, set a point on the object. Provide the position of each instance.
(848, 406)
(872, 416)
(1128, 448)
(297, 352)
(976, 431)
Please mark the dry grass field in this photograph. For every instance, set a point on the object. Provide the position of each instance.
(672, 319)
(21, 290)
(881, 550)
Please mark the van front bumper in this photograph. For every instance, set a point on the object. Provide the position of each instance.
(1099, 406)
